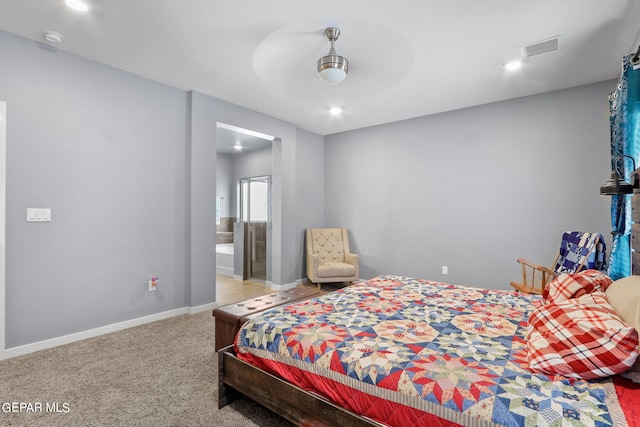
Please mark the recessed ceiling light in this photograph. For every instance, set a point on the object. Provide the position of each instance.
(335, 111)
(237, 147)
(513, 65)
(78, 5)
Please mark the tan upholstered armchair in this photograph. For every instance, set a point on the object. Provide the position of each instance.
(329, 258)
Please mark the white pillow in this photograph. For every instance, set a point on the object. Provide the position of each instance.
(624, 295)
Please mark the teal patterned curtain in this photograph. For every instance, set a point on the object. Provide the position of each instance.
(624, 118)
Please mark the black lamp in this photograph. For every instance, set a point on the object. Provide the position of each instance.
(636, 58)
(617, 184)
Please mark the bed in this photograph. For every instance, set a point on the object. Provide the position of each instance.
(402, 351)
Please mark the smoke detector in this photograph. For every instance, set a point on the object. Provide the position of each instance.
(52, 37)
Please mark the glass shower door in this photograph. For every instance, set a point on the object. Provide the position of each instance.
(255, 195)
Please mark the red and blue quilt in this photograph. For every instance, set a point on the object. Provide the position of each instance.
(406, 351)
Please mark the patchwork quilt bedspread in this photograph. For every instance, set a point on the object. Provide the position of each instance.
(406, 351)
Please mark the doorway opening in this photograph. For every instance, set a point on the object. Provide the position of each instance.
(243, 213)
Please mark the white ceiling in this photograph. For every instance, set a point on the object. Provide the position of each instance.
(227, 138)
(407, 58)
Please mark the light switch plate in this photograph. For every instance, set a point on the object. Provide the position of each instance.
(38, 214)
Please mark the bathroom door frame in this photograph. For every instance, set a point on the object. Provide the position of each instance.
(246, 217)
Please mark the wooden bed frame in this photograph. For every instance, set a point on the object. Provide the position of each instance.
(237, 378)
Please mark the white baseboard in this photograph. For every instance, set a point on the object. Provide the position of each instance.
(224, 271)
(283, 287)
(204, 307)
(78, 336)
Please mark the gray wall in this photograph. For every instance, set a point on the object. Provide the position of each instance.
(310, 190)
(231, 167)
(225, 187)
(246, 165)
(128, 167)
(250, 164)
(473, 189)
(205, 112)
(105, 151)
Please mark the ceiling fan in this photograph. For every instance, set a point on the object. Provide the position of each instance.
(332, 68)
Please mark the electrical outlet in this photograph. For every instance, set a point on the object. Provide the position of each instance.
(445, 269)
(153, 283)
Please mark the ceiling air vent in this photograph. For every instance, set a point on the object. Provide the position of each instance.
(548, 45)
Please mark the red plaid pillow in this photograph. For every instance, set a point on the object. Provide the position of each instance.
(580, 338)
(567, 286)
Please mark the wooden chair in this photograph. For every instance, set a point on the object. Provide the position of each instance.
(578, 251)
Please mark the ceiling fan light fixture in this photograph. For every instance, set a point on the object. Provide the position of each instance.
(332, 68)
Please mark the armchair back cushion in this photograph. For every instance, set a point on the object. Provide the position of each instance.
(329, 258)
(328, 244)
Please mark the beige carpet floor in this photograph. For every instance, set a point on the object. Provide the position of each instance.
(159, 374)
